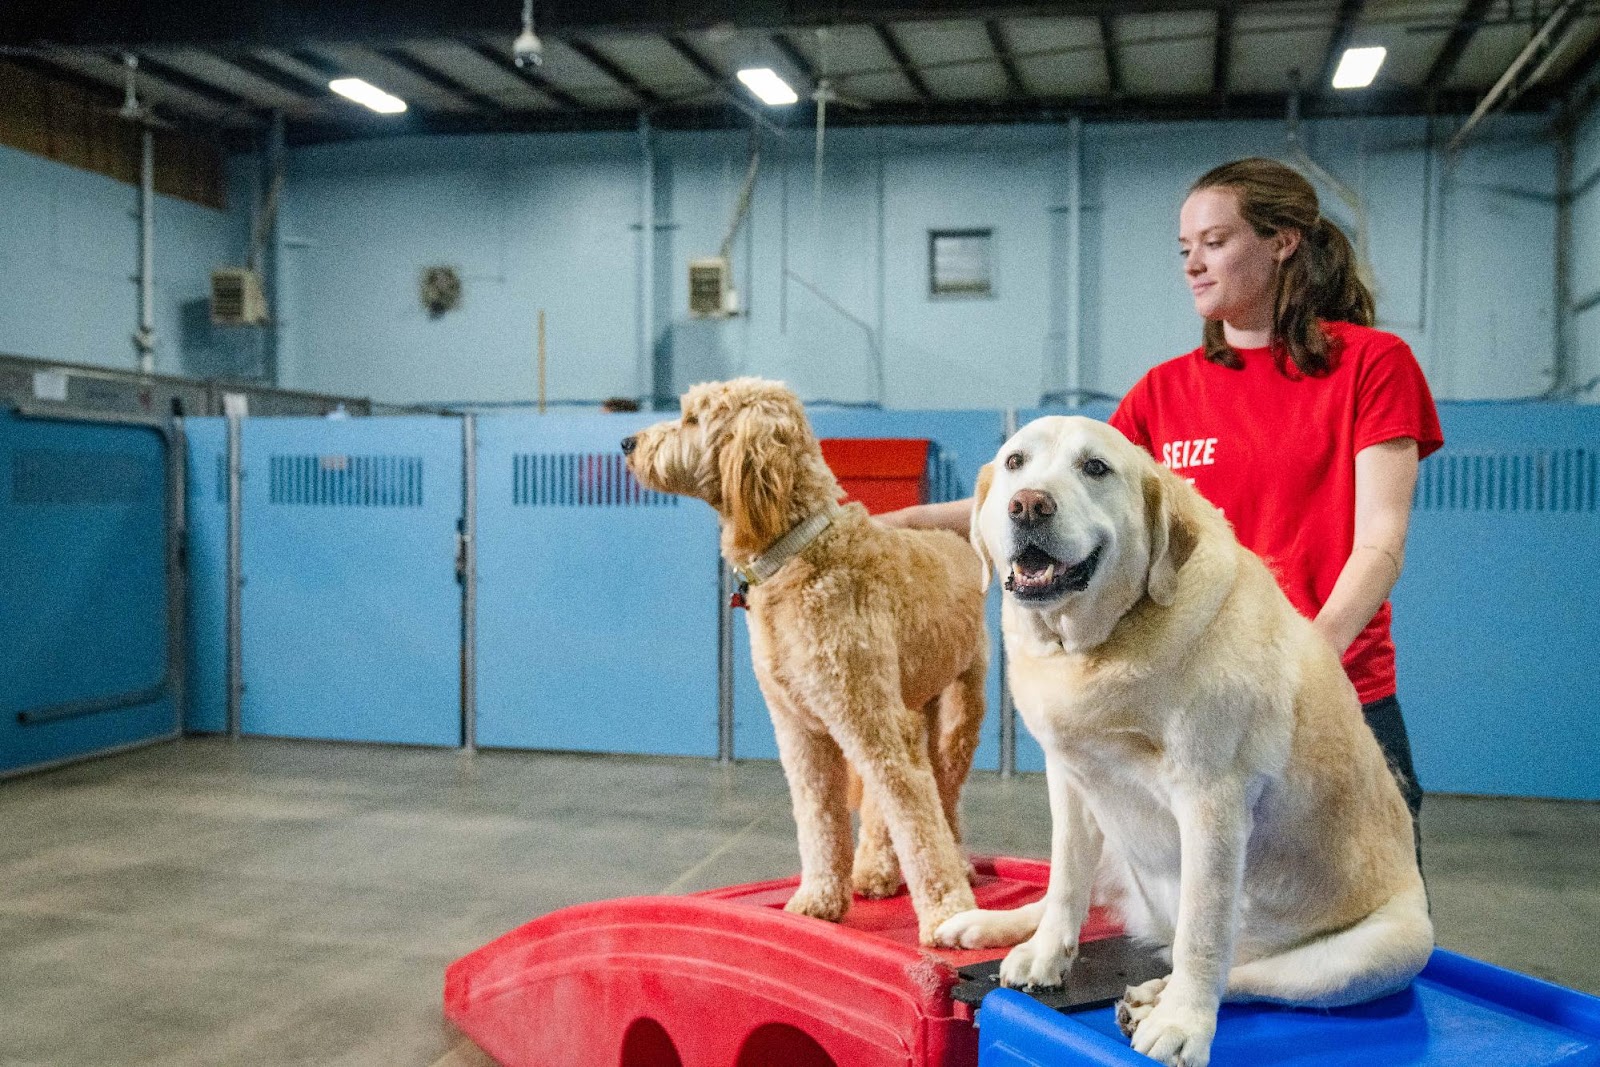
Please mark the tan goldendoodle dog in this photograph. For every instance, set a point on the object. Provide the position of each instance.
(868, 642)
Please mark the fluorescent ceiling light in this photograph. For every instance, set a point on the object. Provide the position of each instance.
(1358, 67)
(370, 95)
(766, 84)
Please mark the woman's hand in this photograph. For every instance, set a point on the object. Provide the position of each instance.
(953, 515)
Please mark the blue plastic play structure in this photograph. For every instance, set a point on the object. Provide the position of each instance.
(1459, 1012)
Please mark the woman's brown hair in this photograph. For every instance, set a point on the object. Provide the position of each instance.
(1318, 283)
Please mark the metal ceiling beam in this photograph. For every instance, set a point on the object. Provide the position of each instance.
(1580, 68)
(1188, 107)
(557, 96)
(1222, 55)
(699, 62)
(439, 79)
(277, 76)
(1461, 34)
(795, 57)
(1015, 86)
(1108, 42)
(608, 67)
(1525, 70)
(155, 70)
(291, 24)
(897, 53)
(1344, 23)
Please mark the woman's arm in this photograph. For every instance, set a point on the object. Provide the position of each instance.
(954, 515)
(1386, 475)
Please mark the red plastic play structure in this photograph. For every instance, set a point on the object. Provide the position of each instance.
(726, 978)
(882, 473)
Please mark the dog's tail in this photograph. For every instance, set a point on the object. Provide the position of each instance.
(1370, 959)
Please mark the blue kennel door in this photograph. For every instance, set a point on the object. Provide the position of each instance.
(597, 600)
(963, 442)
(83, 590)
(350, 611)
(207, 540)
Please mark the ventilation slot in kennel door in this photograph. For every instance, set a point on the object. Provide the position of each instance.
(580, 480)
(1547, 480)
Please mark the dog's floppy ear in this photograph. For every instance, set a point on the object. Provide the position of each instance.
(1171, 538)
(985, 480)
(758, 474)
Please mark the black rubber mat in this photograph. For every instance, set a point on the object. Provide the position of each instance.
(1098, 977)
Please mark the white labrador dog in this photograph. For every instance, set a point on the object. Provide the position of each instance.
(1210, 773)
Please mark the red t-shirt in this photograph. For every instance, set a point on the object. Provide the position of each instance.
(1277, 454)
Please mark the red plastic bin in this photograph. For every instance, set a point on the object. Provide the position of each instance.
(882, 473)
(726, 978)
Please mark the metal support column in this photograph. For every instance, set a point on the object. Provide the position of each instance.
(235, 578)
(144, 339)
(724, 663)
(467, 574)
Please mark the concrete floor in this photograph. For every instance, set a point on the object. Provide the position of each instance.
(280, 902)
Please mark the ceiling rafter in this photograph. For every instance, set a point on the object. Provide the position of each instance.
(1461, 34)
(1015, 86)
(793, 54)
(1108, 42)
(1582, 65)
(532, 78)
(1344, 24)
(156, 70)
(1222, 54)
(275, 76)
(606, 65)
(897, 52)
(1129, 107)
(438, 79)
(699, 62)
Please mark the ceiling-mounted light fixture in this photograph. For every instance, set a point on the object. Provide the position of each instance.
(527, 50)
(368, 95)
(768, 87)
(1358, 67)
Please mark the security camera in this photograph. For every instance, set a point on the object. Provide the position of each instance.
(527, 50)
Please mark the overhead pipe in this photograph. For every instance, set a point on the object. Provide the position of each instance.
(645, 305)
(144, 340)
(1543, 45)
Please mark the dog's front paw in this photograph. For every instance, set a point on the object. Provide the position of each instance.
(826, 903)
(1137, 1002)
(1043, 960)
(931, 917)
(1176, 1034)
(986, 929)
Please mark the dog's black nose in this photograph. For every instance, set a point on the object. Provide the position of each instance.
(628, 445)
(1031, 507)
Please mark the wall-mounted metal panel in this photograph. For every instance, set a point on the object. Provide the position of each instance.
(597, 600)
(1495, 615)
(207, 547)
(350, 611)
(83, 589)
(964, 441)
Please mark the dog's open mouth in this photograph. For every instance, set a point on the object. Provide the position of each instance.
(1037, 575)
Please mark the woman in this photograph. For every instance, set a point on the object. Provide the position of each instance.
(1299, 420)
